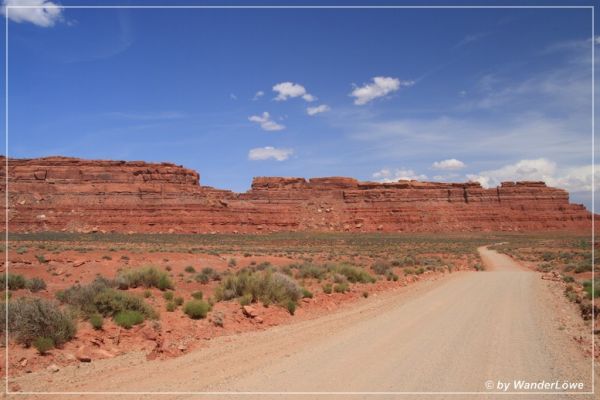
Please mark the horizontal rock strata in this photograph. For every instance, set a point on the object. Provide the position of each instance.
(74, 195)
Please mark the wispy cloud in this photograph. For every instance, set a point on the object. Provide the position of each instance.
(269, 152)
(394, 175)
(574, 178)
(380, 87)
(317, 110)
(45, 14)
(449, 164)
(265, 122)
(471, 38)
(258, 95)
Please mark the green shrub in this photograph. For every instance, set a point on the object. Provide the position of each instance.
(266, 286)
(171, 306)
(306, 294)
(308, 270)
(245, 299)
(82, 297)
(22, 250)
(291, 306)
(381, 267)
(196, 309)
(341, 287)
(111, 302)
(128, 318)
(232, 262)
(96, 321)
(146, 276)
(190, 269)
(202, 278)
(147, 294)
(592, 290)
(355, 275)
(178, 300)
(32, 318)
(41, 258)
(197, 295)
(327, 288)
(583, 267)
(568, 279)
(15, 281)
(43, 344)
(168, 295)
(36, 284)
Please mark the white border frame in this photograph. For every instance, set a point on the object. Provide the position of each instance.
(6, 390)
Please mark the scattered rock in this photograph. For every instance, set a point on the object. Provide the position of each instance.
(249, 311)
(53, 368)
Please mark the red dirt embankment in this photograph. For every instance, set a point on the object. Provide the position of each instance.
(74, 195)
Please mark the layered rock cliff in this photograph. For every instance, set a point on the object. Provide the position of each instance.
(74, 195)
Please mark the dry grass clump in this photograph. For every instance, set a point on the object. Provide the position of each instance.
(32, 318)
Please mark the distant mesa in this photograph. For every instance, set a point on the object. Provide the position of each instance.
(75, 195)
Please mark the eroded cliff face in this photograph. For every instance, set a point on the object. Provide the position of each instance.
(74, 195)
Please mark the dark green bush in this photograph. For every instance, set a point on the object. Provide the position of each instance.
(128, 318)
(306, 294)
(82, 297)
(111, 302)
(196, 309)
(197, 295)
(96, 321)
(291, 306)
(178, 300)
(327, 288)
(171, 306)
(15, 281)
(43, 344)
(190, 269)
(168, 295)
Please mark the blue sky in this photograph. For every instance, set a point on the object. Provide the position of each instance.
(429, 94)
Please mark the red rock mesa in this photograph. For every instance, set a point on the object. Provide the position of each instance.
(74, 195)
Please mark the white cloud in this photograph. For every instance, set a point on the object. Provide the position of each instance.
(232, 96)
(258, 95)
(45, 14)
(387, 175)
(380, 87)
(265, 122)
(288, 90)
(265, 153)
(450, 164)
(317, 110)
(572, 179)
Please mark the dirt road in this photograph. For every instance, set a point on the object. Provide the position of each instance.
(451, 335)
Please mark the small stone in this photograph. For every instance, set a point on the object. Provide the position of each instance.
(23, 362)
(249, 311)
(53, 368)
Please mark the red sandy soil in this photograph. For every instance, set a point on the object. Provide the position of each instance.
(174, 333)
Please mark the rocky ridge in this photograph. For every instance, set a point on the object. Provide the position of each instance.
(75, 195)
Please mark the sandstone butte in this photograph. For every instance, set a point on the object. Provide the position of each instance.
(75, 195)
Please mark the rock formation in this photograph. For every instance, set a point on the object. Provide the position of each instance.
(74, 195)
